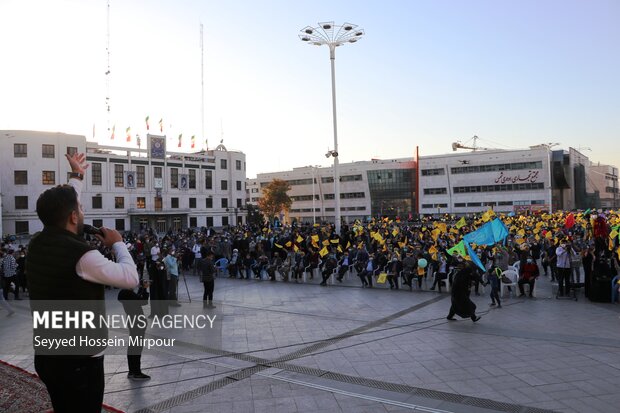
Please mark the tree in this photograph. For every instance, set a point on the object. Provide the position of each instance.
(275, 199)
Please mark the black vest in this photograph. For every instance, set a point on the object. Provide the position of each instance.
(54, 285)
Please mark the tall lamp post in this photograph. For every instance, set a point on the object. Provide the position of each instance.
(332, 35)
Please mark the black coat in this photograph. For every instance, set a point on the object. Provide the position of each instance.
(461, 304)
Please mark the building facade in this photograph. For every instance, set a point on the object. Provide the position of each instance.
(528, 180)
(369, 188)
(124, 188)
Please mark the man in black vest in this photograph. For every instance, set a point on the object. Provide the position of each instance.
(64, 270)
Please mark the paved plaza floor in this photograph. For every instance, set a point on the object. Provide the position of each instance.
(286, 347)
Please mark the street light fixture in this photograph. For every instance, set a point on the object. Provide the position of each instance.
(333, 35)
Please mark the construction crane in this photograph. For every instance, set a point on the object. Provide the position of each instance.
(458, 145)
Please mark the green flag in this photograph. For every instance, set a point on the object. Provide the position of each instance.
(460, 248)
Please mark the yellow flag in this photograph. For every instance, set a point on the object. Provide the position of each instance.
(334, 241)
(611, 244)
(277, 245)
(378, 237)
(315, 238)
(325, 242)
(461, 223)
(520, 241)
(288, 244)
(323, 252)
(339, 248)
(295, 248)
(521, 232)
(548, 235)
(348, 245)
(432, 249)
(435, 234)
(299, 239)
(613, 234)
(395, 232)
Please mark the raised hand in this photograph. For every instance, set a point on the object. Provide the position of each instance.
(77, 161)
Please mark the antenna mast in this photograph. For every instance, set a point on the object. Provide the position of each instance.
(107, 73)
(202, 87)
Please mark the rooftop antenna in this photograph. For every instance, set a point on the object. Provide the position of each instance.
(202, 87)
(107, 73)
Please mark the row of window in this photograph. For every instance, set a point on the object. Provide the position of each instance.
(498, 188)
(21, 202)
(20, 150)
(435, 191)
(498, 203)
(611, 190)
(430, 206)
(358, 208)
(344, 178)
(49, 178)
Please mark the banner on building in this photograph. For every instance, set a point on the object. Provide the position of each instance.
(183, 180)
(130, 179)
(157, 146)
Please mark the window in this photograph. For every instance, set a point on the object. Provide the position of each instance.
(49, 178)
(120, 224)
(119, 180)
(97, 202)
(434, 171)
(141, 202)
(174, 202)
(460, 204)
(174, 177)
(140, 176)
(435, 191)
(192, 202)
(21, 202)
(430, 206)
(292, 182)
(119, 202)
(224, 221)
(345, 195)
(238, 185)
(22, 227)
(254, 190)
(209, 222)
(474, 204)
(47, 151)
(349, 178)
(499, 188)
(21, 177)
(208, 179)
(193, 222)
(504, 203)
(223, 164)
(224, 185)
(97, 223)
(157, 172)
(192, 179)
(239, 202)
(209, 203)
(95, 173)
(238, 165)
(20, 150)
(71, 150)
(224, 202)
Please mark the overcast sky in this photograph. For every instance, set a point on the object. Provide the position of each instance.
(427, 73)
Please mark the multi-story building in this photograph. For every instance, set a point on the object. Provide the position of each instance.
(459, 183)
(367, 188)
(604, 180)
(124, 188)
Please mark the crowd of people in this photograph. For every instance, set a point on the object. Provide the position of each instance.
(561, 246)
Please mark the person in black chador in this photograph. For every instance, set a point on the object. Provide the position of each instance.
(132, 304)
(461, 288)
(159, 289)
